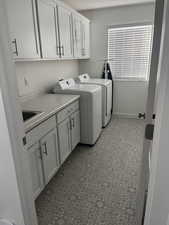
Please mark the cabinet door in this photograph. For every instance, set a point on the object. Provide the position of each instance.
(35, 160)
(85, 37)
(64, 139)
(75, 129)
(49, 148)
(77, 37)
(65, 28)
(48, 26)
(23, 29)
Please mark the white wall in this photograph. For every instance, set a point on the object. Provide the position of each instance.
(41, 75)
(129, 97)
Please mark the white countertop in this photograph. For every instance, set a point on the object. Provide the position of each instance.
(48, 104)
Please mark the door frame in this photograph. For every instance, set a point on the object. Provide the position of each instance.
(150, 108)
(157, 208)
(14, 121)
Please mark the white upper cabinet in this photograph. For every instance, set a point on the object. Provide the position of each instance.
(65, 30)
(48, 27)
(85, 39)
(23, 29)
(81, 37)
(77, 41)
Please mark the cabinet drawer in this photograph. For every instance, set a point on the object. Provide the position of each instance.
(42, 129)
(64, 113)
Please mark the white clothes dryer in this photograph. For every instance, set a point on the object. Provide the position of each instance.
(106, 86)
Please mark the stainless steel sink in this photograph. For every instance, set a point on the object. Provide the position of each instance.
(27, 115)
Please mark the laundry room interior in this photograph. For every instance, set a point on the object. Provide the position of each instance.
(82, 73)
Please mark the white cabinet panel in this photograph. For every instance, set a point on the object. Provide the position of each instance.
(77, 41)
(75, 129)
(64, 139)
(85, 38)
(48, 26)
(81, 37)
(40, 131)
(36, 169)
(65, 29)
(23, 29)
(66, 112)
(49, 148)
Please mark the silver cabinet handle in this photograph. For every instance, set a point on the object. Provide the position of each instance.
(16, 47)
(73, 122)
(45, 150)
(71, 34)
(58, 50)
(62, 50)
(71, 126)
(56, 32)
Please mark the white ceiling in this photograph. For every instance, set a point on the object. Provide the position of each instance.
(95, 4)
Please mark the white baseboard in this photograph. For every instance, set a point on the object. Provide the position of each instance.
(125, 115)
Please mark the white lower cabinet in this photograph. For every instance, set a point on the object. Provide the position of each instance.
(64, 139)
(36, 169)
(75, 129)
(49, 151)
(43, 154)
(69, 135)
(50, 144)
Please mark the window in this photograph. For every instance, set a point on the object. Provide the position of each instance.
(129, 51)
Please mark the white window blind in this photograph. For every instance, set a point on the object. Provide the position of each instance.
(129, 51)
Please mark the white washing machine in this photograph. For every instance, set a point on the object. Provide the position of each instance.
(106, 94)
(90, 108)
